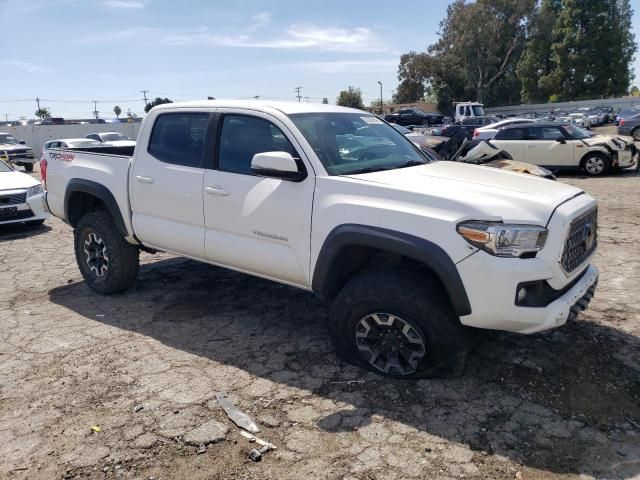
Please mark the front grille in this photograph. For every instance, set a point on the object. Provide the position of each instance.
(13, 156)
(582, 241)
(13, 199)
(19, 215)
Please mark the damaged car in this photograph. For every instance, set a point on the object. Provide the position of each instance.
(558, 146)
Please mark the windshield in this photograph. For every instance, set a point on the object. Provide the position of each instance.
(478, 111)
(348, 143)
(6, 139)
(4, 167)
(575, 132)
(112, 137)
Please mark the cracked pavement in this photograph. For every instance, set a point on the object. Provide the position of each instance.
(563, 404)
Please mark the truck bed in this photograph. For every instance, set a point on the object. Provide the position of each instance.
(91, 167)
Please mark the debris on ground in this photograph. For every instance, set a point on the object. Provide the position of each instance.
(256, 454)
(96, 428)
(202, 449)
(348, 382)
(237, 416)
(137, 408)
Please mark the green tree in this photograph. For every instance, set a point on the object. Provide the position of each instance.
(117, 110)
(43, 113)
(536, 62)
(634, 91)
(351, 97)
(325, 100)
(474, 58)
(157, 101)
(593, 49)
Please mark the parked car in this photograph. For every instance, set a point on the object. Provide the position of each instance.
(414, 116)
(20, 197)
(565, 146)
(580, 119)
(607, 112)
(488, 132)
(630, 126)
(63, 143)
(626, 113)
(115, 139)
(417, 138)
(335, 201)
(468, 125)
(15, 151)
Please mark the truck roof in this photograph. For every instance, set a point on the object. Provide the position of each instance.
(282, 106)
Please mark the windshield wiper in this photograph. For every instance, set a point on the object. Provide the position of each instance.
(410, 163)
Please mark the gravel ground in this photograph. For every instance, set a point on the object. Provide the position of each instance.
(144, 367)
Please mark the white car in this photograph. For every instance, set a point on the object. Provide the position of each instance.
(70, 143)
(15, 151)
(489, 131)
(335, 201)
(113, 139)
(595, 117)
(21, 197)
(558, 146)
(580, 119)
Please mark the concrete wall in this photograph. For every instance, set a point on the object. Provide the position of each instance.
(36, 135)
(621, 103)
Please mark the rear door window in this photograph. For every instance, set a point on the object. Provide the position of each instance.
(510, 134)
(178, 138)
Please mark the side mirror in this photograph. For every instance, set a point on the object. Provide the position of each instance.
(277, 165)
(561, 140)
(22, 142)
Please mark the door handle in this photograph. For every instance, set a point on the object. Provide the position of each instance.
(219, 191)
(142, 179)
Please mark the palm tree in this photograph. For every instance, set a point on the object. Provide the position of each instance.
(117, 110)
(43, 113)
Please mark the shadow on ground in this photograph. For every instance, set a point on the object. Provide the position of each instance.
(559, 402)
(15, 231)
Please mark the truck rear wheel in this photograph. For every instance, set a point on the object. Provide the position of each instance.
(397, 323)
(28, 167)
(108, 263)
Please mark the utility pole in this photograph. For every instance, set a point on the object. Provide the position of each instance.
(144, 93)
(381, 102)
(38, 102)
(95, 108)
(298, 93)
(6, 117)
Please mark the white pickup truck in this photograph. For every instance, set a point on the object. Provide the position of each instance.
(335, 201)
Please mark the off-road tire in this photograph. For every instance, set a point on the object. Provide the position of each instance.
(123, 258)
(605, 160)
(416, 298)
(635, 133)
(28, 167)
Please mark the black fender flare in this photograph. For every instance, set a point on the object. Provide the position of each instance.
(99, 191)
(326, 276)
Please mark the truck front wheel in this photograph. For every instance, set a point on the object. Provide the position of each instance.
(108, 263)
(398, 323)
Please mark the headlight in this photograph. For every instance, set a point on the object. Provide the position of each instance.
(504, 240)
(35, 190)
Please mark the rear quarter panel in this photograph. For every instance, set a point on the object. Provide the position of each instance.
(111, 171)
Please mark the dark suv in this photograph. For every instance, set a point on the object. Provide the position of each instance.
(414, 116)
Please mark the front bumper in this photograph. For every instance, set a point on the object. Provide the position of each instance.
(32, 209)
(491, 287)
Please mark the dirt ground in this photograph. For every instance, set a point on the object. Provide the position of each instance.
(564, 404)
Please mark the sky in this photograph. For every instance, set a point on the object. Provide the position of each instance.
(70, 52)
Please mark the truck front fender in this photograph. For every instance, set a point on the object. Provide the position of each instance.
(336, 263)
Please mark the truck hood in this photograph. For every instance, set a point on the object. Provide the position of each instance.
(474, 192)
(16, 181)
